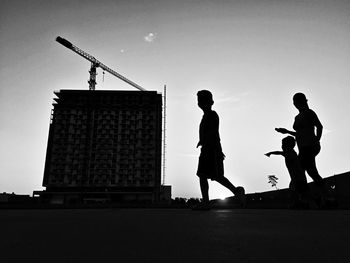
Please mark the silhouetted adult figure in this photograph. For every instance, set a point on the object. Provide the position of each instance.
(210, 165)
(305, 125)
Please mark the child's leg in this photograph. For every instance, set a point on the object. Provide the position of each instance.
(204, 189)
(300, 192)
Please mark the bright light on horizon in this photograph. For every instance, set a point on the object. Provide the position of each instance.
(222, 197)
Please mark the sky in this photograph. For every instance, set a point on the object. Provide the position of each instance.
(253, 55)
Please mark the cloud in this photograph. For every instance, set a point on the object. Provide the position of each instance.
(232, 98)
(150, 37)
(227, 99)
(187, 155)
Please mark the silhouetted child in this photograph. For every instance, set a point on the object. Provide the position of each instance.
(210, 165)
(298, 184)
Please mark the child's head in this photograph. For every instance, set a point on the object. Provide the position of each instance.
(205, 99)
(288, 143)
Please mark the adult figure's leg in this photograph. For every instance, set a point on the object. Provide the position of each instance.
(307, 157)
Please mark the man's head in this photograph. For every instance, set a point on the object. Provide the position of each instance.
(205, 99)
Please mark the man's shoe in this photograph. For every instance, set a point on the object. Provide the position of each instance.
(240, 194)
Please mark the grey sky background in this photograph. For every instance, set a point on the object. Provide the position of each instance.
(253, 56)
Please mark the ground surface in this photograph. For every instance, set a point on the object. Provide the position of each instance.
(174, 235)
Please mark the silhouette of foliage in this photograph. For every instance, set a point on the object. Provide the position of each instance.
(273, 180)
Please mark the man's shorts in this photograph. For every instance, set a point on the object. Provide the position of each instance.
(211, 164)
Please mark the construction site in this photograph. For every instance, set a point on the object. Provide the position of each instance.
(105, 146)
(109, 147)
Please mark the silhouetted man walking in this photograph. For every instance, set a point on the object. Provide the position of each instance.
(210, 165)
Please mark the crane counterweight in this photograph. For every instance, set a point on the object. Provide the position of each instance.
(64, 42)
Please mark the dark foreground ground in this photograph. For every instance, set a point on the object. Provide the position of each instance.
(174, 235)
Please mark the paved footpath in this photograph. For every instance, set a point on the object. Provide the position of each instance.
(174, 235)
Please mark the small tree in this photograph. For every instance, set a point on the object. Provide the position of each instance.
(273, 181)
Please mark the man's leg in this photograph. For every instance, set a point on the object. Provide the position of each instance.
(225, 182)
(204, 189)
(238, 191)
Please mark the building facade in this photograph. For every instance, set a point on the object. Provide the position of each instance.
(104, 144)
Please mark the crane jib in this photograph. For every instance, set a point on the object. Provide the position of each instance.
(94, 65)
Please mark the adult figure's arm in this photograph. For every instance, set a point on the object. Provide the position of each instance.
(319, 129)
(318, 125)
(285, 131)
(274, 153)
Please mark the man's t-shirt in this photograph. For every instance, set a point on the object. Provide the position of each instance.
(209, 130)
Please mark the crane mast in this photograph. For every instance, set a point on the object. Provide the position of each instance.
(94, 65)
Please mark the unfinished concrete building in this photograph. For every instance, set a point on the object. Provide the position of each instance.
(104, 145)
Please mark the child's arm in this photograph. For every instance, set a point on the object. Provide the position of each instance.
(274, 153)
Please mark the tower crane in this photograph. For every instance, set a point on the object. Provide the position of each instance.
(94, 65)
